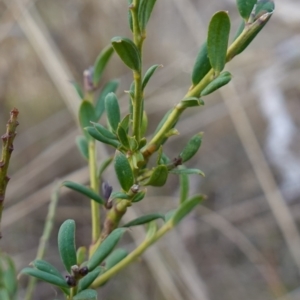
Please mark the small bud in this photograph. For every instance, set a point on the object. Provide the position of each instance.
(135, 188)
(106, 190)
(83, 271)
(70, 280)
(88, 80)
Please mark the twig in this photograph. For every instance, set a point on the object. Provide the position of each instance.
(7, 149)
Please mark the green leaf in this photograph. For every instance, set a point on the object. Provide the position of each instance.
(144, 123)
(119, 195)
(144, 219)
(217, 40)
(169, 215)
(201, 66)
(123, 138)
(101, 62)
(125, 123)
(149, 74)
(86, 115)
(248, 35)
(110, 87)
(88, 279)
(151, 230)
(184, 187)
(128, 52)
(138, 196)
(83, 147)
(245, 8)
(264, 6)
(143, 143)
(187, 172)
(78, 89)
(123, 171)
(104, 165)
(84, 191)
(130, 22)
(86, 295)
(192, 147)
(105, 248)
(44, 276)
(217, 83)
(9, 275)
(112, 111)
(158, 177)
(192, 101)
(4, 295)
(104, 131)
(115, 257)
(66, 244)
(144, 13)
(92, 131)
(81, 255)
(43, 265)
(137, 160)
(186, 207)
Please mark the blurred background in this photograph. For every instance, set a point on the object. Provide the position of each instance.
(243, 243)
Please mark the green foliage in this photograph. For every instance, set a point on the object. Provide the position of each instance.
(133, 167)
(66, 244)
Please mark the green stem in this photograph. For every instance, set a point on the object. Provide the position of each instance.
(196, 90)
(138, 100)
(7, 149)
(44, 238)
(94, 184)
(133, 255)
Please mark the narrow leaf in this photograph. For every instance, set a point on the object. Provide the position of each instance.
(88, 279)
(92, 131)
(139, 196)
(149, 74)
(201, 66)
(84, 191)
(43, 265)
(78, 89)
(101, 62)
(86, 295)
(81, 255)
(125, 123)
(248, 35)
(119, 195)
(112, 110)
(144, 219)
(186, 208)
(217, 83)
(144, 123)
(110, 87)
(245, 7)
(158, 177)
(83, 147)
(115, 257)
(123, 171)
(104, 131)
(86, 115)
(66, 244)
(192, 101)
(130, 22)
(123, 138)
(184, 187)
(191, 148)
(217, 40)
(144, 13)
(105, 248)
(44, 276)
(187, 172)
(128, 52)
